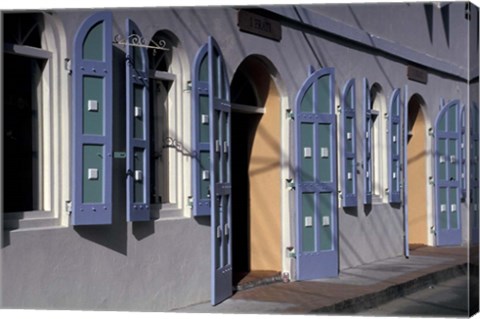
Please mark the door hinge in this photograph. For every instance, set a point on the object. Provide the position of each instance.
(290, 114)
(68, 66)
(190, 201)
(68, 207)
(290, 184)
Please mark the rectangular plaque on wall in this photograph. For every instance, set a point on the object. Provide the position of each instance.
(259, 25)
(417, 74)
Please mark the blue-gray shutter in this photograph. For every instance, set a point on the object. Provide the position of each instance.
(447, 175)
(220, 175)
(394, 149)
(348, 145)
(367, 144)
(92, 121)
(316, 177)
(463, 154)
(474, 172)
(201, 97)
(138, 127)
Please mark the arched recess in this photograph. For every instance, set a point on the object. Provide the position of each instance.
(257, 170)
(417, 171)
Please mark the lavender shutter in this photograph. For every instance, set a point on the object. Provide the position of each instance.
(474, 172)
(348, 145)
(367, 144)
(405, 172)
(138, 132)
(394, 142)
(316, 177)
(201, 134)
(92, 121)
(463, 154)
(447, 175)
(220, 175)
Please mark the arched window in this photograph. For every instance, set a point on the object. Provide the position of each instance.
(32, 94)
(379, 142)
(167, 125)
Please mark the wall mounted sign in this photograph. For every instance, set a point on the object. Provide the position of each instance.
(417, 74)
(256, 24)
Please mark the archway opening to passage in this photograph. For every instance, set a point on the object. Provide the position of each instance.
(417, 176)
(256, 172)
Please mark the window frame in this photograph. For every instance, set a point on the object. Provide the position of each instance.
(54, 146)
(179, 123)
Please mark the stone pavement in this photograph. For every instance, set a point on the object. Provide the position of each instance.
(355, 289)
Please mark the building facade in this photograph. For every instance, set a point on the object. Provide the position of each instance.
(153, 155)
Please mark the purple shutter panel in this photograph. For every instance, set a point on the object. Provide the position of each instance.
(220, 175)
(448, 222)
(394, 142)
(474, 172)
(316, 189)
(405, 172)
(92, 121)
(463, 154)
(138, 128)
(348, 145)
(367, 144)
(201, 134)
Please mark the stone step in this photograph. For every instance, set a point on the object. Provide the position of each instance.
(29, 223)
(258, 282)
(27, 215)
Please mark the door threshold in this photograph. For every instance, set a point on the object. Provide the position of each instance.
(257, 278)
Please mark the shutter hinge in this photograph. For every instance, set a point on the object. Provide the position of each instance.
(290, 114)
(290, 250)
(431, 181)
(290, 184)
(190, 201)
(430, 131)
(68, 66)
(68, 207)
(188, 86)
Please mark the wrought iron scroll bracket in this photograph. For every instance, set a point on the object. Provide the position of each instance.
(137, 41)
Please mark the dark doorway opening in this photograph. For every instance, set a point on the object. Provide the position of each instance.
(256, 157)
(243, 132)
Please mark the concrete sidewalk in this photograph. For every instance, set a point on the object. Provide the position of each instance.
(354, 290)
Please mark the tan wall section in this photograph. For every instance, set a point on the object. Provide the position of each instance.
(264, 173)
(417, 195)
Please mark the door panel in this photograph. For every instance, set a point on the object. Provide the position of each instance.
(447, 175)
(220, 176)
(474, 172)
(316, 179)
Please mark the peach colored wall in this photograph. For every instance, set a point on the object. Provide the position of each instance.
(264, 173)
(417, 195)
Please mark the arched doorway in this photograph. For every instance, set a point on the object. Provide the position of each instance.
(256, 172)
(417, 172)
